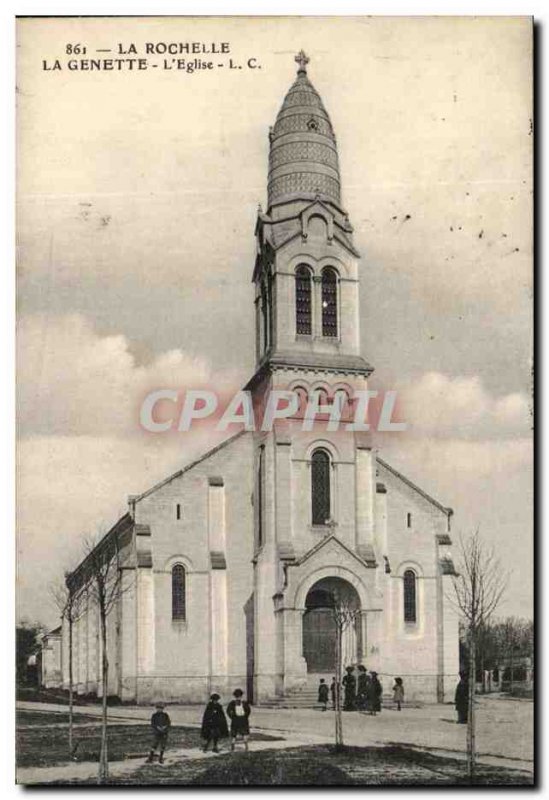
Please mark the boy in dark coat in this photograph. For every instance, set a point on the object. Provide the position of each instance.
(160, 723)
(323, 694)
(462, 699)
(214, 724)
(238, 712)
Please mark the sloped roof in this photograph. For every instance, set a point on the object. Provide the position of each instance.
(447, 511)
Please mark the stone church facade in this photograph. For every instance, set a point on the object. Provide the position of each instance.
(231, 565)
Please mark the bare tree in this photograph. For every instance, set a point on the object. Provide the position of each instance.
(478, 590)
(69, 603)
(103, 581)
(344, 615)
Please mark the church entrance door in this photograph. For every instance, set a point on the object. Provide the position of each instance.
(319, 627)
(319, 640)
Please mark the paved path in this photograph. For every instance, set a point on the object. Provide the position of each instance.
(504, 732)
(86, 770)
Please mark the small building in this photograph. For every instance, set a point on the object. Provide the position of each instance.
(50, 667)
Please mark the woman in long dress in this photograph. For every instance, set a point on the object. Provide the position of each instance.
(349, 685)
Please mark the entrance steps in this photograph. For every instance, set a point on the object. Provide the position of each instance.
(306, 696)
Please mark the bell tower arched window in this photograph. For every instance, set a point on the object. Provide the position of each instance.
(329, 302)
(410, 595)
(320, 487)
(303, 304)
(265, 316)
(178, 592)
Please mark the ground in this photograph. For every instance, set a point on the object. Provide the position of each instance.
(418, 746)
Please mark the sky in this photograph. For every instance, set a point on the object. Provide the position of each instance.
(137, 198)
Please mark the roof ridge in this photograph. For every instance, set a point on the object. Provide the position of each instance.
(188, 467)
(446, 509)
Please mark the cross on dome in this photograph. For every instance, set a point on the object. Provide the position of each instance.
(302, 60)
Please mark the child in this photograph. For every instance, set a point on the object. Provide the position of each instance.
(160, 722)
(323, 694)
(214, 724)
(398, 693)
(238, 712)
(333, 692)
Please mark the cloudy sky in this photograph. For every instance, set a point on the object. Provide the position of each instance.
(137, 196)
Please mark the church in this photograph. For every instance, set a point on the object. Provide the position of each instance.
(232, 566)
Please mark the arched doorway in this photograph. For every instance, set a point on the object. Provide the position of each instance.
(319, 627)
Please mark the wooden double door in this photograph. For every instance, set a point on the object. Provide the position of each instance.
(319, 640)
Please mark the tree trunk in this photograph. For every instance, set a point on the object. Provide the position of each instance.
(471, 733)
(338, 712)
(103, 758)
(71, 679)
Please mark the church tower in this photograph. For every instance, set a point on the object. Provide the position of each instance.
(306, 272)
(314, 489)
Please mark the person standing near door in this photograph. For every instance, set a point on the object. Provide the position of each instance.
(349, 685)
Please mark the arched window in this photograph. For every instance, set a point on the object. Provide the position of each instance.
(409, 581)
(265, 315)
(329, 302)
(178, 592)
(303, 307)
(320, 487)
(321, 397)
(303, 398)
(341, 401)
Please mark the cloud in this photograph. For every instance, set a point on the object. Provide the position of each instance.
(69, 486)
(460, 407)
(74, 382)
(81, 450)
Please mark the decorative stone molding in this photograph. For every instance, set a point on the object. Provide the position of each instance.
(286, 552)
(367, 554)
(447, 566)
(217, 560)
(143, 545)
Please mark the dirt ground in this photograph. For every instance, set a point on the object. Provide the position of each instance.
(290, 747)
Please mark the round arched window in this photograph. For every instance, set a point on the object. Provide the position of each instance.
(178, 592)
(303, 304)
(410, 599)
(320, 487)
(329, 302)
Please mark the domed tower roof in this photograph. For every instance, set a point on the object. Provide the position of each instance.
(303, 159)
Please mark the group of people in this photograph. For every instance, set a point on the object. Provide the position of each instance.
(362, 693)
(214, 725)
(214, 722)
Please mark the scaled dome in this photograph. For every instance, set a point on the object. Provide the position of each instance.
(303, 159)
